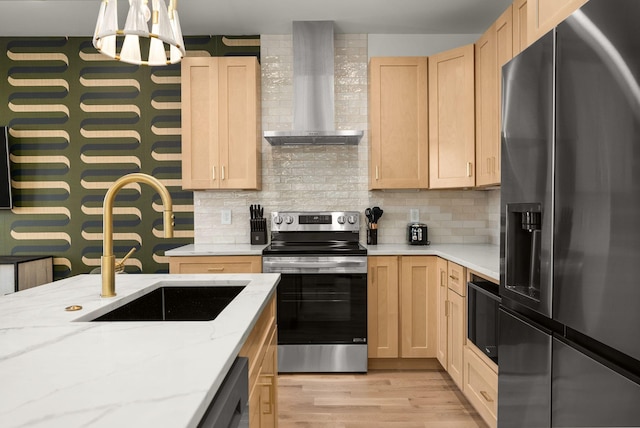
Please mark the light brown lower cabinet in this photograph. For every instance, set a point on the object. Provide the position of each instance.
(452, 316)
(19, 273)
(215, 264)
(261, 348)
(402, 307)
(481, 384)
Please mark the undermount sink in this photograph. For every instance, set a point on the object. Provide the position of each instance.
(177, 303)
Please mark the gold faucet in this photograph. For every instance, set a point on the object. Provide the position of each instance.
(108, 260)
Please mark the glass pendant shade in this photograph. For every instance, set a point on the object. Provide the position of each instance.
(135, 39)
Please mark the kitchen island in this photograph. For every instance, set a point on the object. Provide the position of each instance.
(58, 371)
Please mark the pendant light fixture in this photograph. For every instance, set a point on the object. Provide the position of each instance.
(129, 44)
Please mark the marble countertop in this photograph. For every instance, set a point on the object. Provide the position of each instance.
(216, 250)
(483, 258)
(56, 371)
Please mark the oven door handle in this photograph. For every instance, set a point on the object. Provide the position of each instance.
(281, 264)
(487, 293)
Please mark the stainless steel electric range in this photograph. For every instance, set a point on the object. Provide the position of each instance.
(322, 294)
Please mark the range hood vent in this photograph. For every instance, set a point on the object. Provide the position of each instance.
(313, 90)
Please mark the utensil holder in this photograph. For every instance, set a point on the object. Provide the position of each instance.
(372, 236)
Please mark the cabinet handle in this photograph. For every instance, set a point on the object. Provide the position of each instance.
(222, 173)
(455, 278)
(377, 173)
(443, 281)
(267, 380)
(469, 165)
(486, 396)
(215, 269)
(213, 172)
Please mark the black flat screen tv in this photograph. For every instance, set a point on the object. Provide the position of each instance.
(6, 201)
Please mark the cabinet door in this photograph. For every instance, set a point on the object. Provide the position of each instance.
(543, 15)
(199, 123)
(519, 26)
(398, 125)
(457, 337)
(239, 122)
(442, 311)
(487, 114)
(493, 50)
(382, 307)
(452, 118)
(418, 295)
(215, 264)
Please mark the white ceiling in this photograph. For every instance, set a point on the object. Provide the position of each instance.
(249, 17)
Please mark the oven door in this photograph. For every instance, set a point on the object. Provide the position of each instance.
(322, 309)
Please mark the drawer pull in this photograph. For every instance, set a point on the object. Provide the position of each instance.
(215, 269)
(455, 278)
(267, 381)
(486, 396)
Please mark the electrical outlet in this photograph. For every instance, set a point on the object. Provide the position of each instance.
(415, 214)
(225, 217)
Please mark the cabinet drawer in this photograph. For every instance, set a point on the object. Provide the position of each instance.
(457, 278)
(258, 342)
(481, 387)
(216, 264)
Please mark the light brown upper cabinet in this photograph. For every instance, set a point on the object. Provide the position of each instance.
(221, 116)
(543, 15)
(398, 123)
(452, 119)
(520, 41)
(493, 50)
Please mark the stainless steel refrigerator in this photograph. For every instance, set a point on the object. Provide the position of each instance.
(569, 340)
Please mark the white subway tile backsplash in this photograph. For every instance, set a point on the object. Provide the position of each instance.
(336, 178)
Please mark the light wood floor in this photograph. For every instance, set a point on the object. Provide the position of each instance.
(380, 398)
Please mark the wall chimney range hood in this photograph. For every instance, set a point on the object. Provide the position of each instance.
(313, 90)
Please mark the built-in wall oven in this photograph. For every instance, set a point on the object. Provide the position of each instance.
(322, 294)
(483, 303)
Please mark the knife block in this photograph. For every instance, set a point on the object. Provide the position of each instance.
(259, 231)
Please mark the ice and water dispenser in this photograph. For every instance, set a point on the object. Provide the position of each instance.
(523, 240)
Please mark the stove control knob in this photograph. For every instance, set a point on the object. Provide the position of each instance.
(352, 219)
(288, 219)
(341, 219)
(277, 219)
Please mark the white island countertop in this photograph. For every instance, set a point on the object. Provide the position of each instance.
(59, 372)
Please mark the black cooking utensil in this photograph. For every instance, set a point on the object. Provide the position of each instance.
(377, 213)
(369, 214)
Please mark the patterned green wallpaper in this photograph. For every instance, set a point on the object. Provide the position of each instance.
(77, 122)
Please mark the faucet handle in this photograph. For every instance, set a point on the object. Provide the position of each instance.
(119, 267)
